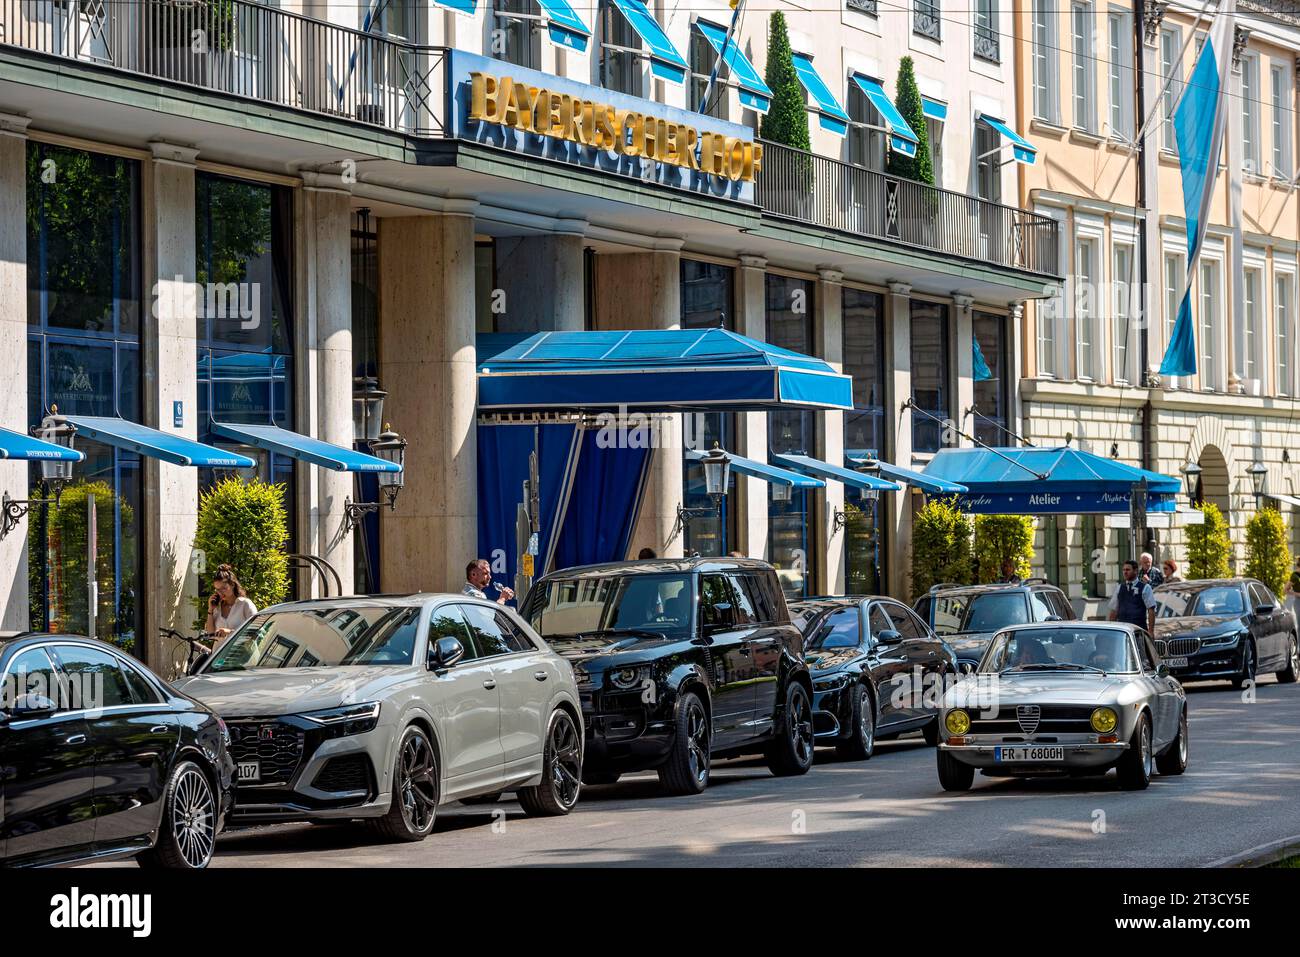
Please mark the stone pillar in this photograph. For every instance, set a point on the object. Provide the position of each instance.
(962, 362)
(13, 358)
(542, 280)
(643, 291)
(427, 366)
(751, 427)
(828, 342)
(895, 507)
(1017, 347)
(170, 358)
(325, 217)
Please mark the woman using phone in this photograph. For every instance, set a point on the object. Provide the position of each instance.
(228, 607)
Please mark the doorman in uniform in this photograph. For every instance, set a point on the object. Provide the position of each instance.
(1133, 600)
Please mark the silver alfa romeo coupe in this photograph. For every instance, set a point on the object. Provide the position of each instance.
(384, 708)
(1067, 698)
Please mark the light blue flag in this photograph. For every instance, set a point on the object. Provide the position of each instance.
(981, 367)
(1198, 128)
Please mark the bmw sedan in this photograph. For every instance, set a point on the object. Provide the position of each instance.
(384, 708)
(1230, 629)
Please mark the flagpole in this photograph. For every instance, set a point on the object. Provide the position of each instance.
(717, 63)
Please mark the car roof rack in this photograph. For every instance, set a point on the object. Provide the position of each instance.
(942, 585)
(1035, 581)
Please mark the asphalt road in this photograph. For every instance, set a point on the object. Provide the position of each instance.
(1240, 793)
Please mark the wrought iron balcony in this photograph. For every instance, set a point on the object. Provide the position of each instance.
(987, 43)
(870, 7)
(926, 18)
(853, 199)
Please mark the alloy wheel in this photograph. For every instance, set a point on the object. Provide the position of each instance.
(801, 728)
(1182, 738)
(416, 784)
(1145, 744)
(564, 755)
(697, 738)
(193, 817)
(866, 721)
(1295, 655)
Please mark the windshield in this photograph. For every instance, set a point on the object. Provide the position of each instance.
(995, 611)
(835, 630)
(947, 611)
(1059, 649)
(571, 606)
(1214, 600)
(322, 638)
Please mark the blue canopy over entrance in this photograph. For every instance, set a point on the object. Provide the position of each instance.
(671, 370)
(1056, 481)
(166, 446)
(15, 445)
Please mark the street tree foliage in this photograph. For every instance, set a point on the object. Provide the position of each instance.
(907, 98)
(1000, 539)
(787, 119)
(1267, 556)
(941, 546)
(244, 525)
(1208, 545)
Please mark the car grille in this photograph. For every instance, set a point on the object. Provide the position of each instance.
(276, 746)
(1178, 647)
(1051, 719)
(348, 772)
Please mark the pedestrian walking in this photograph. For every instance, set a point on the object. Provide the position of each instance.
(478, 575)
(228, 606)
(1147, 572)
(1133, 600)
(1171, 571)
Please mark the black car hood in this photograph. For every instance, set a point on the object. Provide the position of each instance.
(1196, 626)
(820, 662)
(602, 648)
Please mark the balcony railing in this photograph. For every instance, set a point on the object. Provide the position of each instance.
(925, 18)
(987, 46)
(853, 199)
(244, 49)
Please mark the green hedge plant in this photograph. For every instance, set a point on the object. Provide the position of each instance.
(1208, 545)
(941, 546)
(1267, 556)
(244, 525)
(1000, 539)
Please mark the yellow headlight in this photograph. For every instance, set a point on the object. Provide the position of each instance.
(1104, 720)
(957, 722)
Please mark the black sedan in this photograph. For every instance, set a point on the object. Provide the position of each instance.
(101, 759)
(877, 669)
(1230, 629)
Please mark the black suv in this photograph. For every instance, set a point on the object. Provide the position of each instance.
(967, 616)
(679, 661)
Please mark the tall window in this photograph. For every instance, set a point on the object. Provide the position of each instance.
(930, 390)
(987, 45)
(1175, 266)
(513, 36)
(1123, 333)
(83, 355)
(988, 169)
(1283, 303)
(926, 18)
(1282, 119)
(1046, 95)
(1171, 70)
(867, 136)
(789, 303)
(620, 53)
(1250, 146)
(1121, 75)
(934, 135)
(703, 57)
(1210, 300)
(991, 390)
(1085, 100)
(1253, 282)
(864, 434)
(1085, 307)
(708, 297)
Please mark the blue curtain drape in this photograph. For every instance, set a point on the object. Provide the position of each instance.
(606, 496)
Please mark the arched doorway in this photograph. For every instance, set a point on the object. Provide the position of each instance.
(1213, 485)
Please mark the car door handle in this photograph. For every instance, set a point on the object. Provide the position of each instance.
(76, 739)
(540, 675)
(489, 684)
(158, 729)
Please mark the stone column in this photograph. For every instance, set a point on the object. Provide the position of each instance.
(751, 427)
(427, 366)
(1018, 345)
(895, 507)
(13, 358)
(325, 214)
(828, 342)
(962, 362)
(170, 359)
(542, 280)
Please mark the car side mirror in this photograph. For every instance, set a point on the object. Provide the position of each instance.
(889, 637)
(1162, 670)
(445, 653)
(32, 706)
(1266, 609)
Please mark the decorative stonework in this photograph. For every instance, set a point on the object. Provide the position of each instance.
(1153, 14)
(1240, 38)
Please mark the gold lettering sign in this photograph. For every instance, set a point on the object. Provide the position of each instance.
(503, 101)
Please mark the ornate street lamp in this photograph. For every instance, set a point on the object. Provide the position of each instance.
(55, 473)
(1258, 473)
(717, 474)
(367, 408)
(1191, 475)
(390, 447)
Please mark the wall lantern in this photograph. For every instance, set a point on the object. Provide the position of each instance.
(367, 408)
(390, 447)
(55, 473)
(1258, 473)
(1191, 475)
(717, 474)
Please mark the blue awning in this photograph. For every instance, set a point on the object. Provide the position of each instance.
(1024, 151)
(762, 470)
(829, 112)
(1051, 481)
(934, 109)
(926, 483)
(563, 25)
(670, 370)
(754, 93)
(16, 446)
(665, 62)
(304, 448)
(153, 444)
(465, 7)
(836, 473)
(901, 137)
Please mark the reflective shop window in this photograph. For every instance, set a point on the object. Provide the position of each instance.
(990, 333)
(514, 33)
(930, 390)
(864, 434)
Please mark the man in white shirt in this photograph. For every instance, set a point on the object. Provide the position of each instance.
(1133, 601)
(478, 575)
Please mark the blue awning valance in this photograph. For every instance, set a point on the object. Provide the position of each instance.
(754, 93)
(762, 470)
(165, 446)
(304, 448)
(670, 370)
(830, 114)
(926, 483)
(901, 137)
(1047, 481)
(665, 61)
(1023, 150)
(836, 473)
(563, 25)
(934, 109)
(16, 446)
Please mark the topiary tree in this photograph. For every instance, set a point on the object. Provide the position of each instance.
(1208, 546)
(941, 546)
(1267, 556)
(1000, 539)
(786, 120)
(244, 525)
(907, 98)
